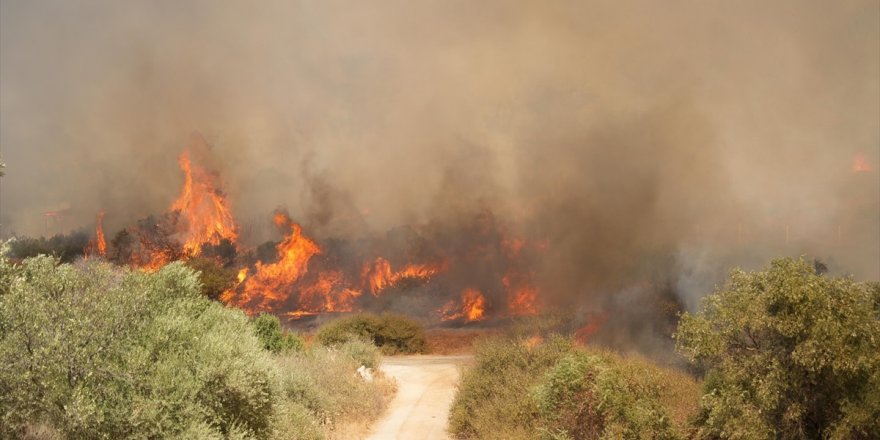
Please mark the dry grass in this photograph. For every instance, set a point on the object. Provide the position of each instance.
(455, 340)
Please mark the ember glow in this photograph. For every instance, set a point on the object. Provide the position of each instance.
(860, 164)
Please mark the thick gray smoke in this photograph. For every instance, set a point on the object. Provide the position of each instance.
(644, 142)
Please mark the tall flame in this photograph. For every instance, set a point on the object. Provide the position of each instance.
(203, 208)
(271, 283)
(99, 234)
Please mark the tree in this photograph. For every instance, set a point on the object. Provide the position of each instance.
(788, 354)
(95, 351)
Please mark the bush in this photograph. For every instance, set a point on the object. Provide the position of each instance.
(493, 400)
(215, 278)
(66, 247)
(600, 396)
(521, 390)
(391, 333)
(324, 382)
(95, 351)
(788, 354)
(275, 339)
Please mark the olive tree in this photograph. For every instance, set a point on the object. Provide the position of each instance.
(95, 351)
(788, 354)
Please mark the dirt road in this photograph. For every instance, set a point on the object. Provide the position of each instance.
(425, 388)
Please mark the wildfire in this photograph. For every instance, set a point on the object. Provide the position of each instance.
(328, 294)
(99, 234)
(522, 297)
(380, 276)
(205, 213)
(582, 335)
(472, 307)
(860, 164)
(270, 284)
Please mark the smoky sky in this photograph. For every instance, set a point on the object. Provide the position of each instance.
(631, 137)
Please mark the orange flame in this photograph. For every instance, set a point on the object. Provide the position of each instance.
(522, 297)
(472, 307)
(583, 334)
(860, 164)
(203, 207)
(99, 234)
(270, 284)
(328, 294)
(379, 276)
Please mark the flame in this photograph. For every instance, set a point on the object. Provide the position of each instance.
(205, 212)
(271, 283)
(522, 296)
(582, 335)
(860, 164)
(99, 234)
(242, 274)
(472, 307)
(328, 294)
(533, 341)
(379, 275)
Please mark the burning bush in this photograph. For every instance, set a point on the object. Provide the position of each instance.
(214, 278)
(789, 353)
(391, 333)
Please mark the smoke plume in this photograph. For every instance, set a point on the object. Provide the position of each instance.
(647, 145)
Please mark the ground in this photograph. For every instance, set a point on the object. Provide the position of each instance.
(425, 388)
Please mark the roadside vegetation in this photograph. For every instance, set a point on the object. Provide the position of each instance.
(91, 350)
(393, 334)
(783, 353)
(522, 389)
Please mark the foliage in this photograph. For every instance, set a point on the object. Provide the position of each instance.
(67, 247)
(520, 389)
(789, 354)
(273, 338)
(95, 351)
(493, 400)
(214, 277)
(323, 381)
(391, 333)
(223, 253)
(599, 396)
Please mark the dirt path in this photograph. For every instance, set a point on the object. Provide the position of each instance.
(425, 388)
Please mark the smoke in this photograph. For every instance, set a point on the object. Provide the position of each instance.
(643, 142)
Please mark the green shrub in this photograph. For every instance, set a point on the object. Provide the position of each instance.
(275, 339)
(95, 351)
(599, 396)
(66, 247)
(215, 278)
(517, 389)
(324, 381)
(493, 400)
(391, 333)
(361, 351)
(789, 354)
